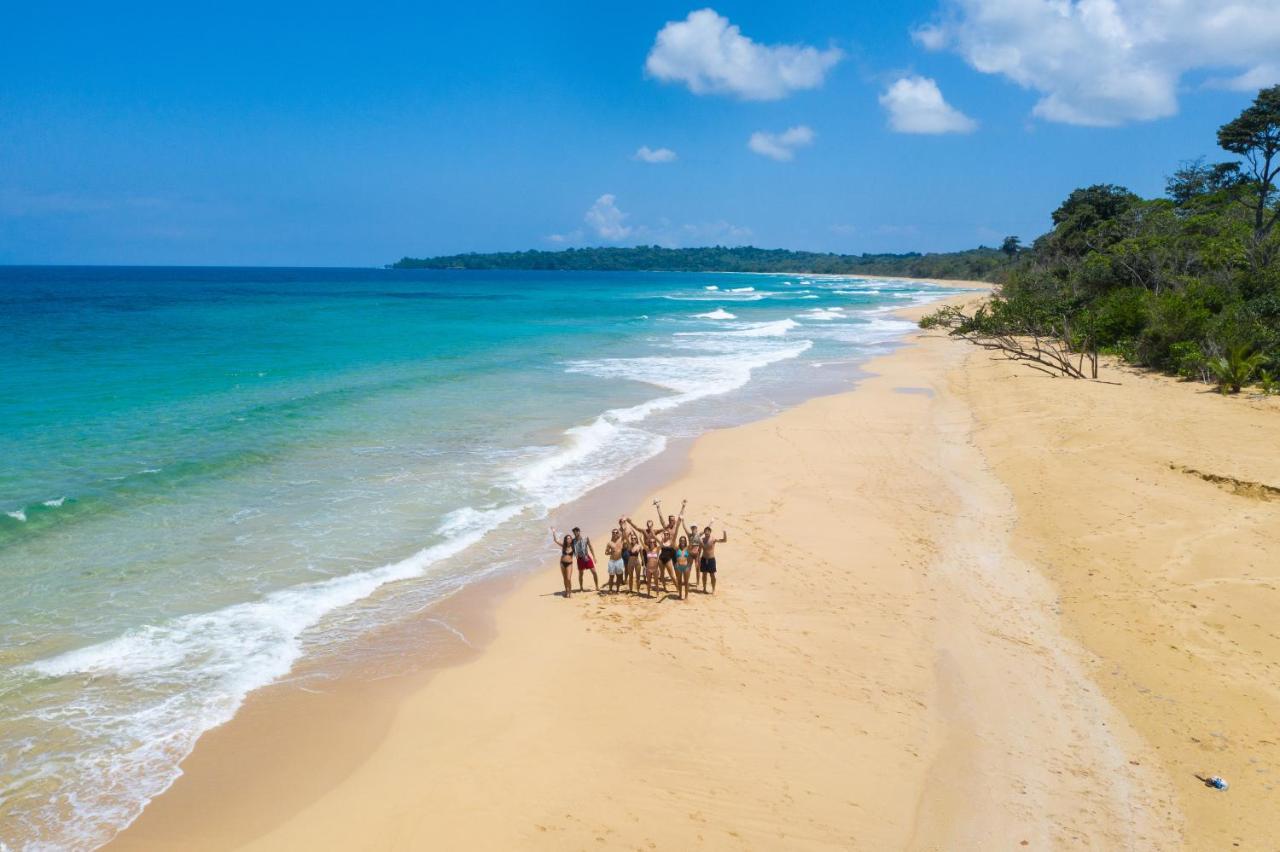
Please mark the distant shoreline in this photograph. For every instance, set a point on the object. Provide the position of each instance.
(980, 263)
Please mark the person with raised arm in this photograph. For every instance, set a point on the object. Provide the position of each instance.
(709, 556)
(634, 565)
(653, 567)
(667, 539)
(566, 558)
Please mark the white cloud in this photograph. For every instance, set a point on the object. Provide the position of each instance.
(606, 220)
(1258, 77)
(712, 56)
(916, 105)
(1108, 62)
(654, 155)
(781, 146)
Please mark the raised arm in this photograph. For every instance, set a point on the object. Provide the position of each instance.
(554, 539)
(724, 536)
(657, 505)
(633, 526)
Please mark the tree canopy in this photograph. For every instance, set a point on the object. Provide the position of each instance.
(979, 263)
(1254, 135)
(1187, 283)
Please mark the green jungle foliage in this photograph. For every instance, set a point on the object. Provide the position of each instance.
(976, 264)
(1188, 284)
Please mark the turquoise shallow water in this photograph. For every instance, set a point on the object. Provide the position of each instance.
(209, 473)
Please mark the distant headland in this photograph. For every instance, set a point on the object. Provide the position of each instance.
(973, 264)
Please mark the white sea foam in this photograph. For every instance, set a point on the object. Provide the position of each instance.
(824, 314)
(591, 455)
(53, 504)
(873, 331)
(192, 673)
(711, 287)
(777, 328)
(719, 296)
(742, 289)
(612, 444)
(18, 515)
(717, 314)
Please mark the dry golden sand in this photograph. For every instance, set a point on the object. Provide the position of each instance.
(1170, 579)
(963, 606)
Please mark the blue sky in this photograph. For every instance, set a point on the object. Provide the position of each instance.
(327, 134)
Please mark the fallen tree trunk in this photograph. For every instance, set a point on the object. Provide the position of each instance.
(1050, 353)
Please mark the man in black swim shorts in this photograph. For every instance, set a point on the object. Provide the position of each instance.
(709, 556)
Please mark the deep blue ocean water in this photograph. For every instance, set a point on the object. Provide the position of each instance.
(209, 473)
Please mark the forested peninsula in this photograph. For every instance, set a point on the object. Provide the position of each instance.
(974, 264)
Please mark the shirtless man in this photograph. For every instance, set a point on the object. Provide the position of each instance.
(709, 556)
(613, 552)
(695, 551)
(586, 557)
(667, 538)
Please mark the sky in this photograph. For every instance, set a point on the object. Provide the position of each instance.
(331, 134)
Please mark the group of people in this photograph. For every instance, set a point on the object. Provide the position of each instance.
(650, 556)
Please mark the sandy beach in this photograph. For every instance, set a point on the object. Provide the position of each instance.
(962, 606)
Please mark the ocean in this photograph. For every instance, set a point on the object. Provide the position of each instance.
(211, 474)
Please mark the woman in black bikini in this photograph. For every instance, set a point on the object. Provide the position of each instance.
(566, 558)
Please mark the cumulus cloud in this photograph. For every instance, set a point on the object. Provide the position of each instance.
(606, 220)
(916, 105)
(780, 146)
(712, 56)
(654, 155)
(1108, 62)
(605, 223)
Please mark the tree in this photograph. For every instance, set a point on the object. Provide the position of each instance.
(1011, 246)
(1255, 136)
(1095, 203)
(1194, 179)
(1083, 222)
